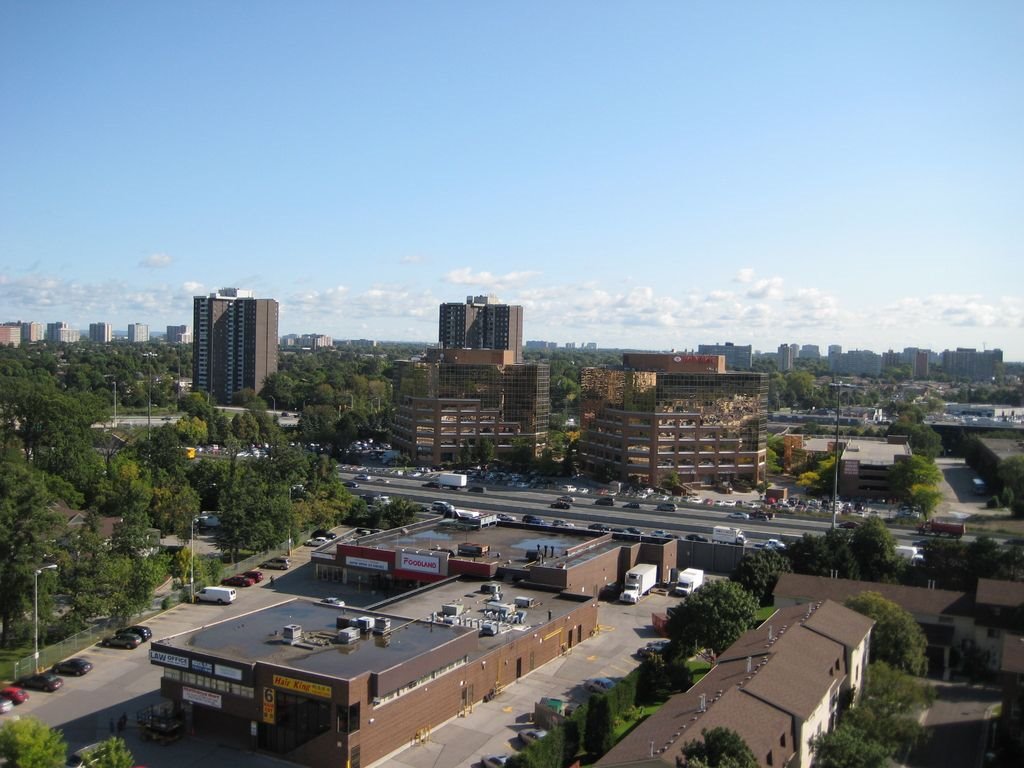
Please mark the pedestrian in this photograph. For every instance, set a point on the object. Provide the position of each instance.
(271, 581)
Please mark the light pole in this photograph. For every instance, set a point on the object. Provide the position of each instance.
(838, 387)
(273, 402)
(192, 562)
(35, 613)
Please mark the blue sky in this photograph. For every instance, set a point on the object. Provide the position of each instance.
(653, 175)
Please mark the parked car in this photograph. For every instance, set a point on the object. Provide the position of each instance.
(316, 541)
(324, 534)
(278, 564)
(82, 758)
(127, 641)
(144, 633)
(531, 735)
(494, 761)
(256, 576)
(76, 667)
(6, 705)
(237, 581)
(652, 648)
(599, 684)
(333, 601)
(14, 694)
(604, 501)
(44, 681)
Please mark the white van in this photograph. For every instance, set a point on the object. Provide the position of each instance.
(219, 595)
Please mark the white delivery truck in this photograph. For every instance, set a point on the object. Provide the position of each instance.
(452, 480)
(723, 534)
(688, 581)
(638, 582)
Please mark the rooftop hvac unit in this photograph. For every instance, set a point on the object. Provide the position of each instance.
(381, 625)
(525, 602)
(349, 635)
(452, 609)
(363, 622)
(292, 633)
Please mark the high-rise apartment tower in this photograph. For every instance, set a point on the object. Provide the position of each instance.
(234, 342)
(482, 323)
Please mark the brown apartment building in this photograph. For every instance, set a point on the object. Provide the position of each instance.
(660, 413)
(234, 342)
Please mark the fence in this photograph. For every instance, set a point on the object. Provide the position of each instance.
(76, 643)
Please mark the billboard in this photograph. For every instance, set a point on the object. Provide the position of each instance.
(413, 561)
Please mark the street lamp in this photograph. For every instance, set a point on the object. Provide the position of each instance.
(35, 605)
(192, 562)
(273, 402)
(838, 387)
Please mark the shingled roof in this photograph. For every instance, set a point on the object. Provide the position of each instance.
(916, 600)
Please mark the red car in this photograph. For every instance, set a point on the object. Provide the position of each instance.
(256, 576)
(237, 581)
(14, 694)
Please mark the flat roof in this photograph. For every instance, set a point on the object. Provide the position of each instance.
(258, 636)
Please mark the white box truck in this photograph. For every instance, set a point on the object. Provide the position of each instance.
(688, 581)
(723, 534)
(452, 480)
(638, 582)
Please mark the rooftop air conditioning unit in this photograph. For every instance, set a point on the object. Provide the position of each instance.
(292, 633)
(381, 625)
(363, 622)
(452, 609)
(349, 635)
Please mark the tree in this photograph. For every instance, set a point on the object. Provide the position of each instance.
(759, 571)
(112, 753)
(897, 639)
(848, 747)
(712, 617)
(917, 470)
(29, 743)
(399, 512)
(874, 548)
(823, 555)
(886, 713)
(927, 497)
(720, 748)
(1011, 474)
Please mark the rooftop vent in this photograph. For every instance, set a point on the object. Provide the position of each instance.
(292, 633)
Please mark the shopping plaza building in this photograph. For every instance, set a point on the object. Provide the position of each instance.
(661, 413)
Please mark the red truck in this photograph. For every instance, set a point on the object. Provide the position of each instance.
(943, 528)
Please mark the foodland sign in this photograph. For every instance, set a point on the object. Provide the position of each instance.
(411, 561)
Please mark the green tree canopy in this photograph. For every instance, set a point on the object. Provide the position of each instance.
(759, 571)
(848, 747)
(712, 617)
(720, 748)
(897, 639)
(917, 470)
(29, 743)
(874, 549)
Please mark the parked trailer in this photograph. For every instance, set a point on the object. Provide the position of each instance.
(953, 528)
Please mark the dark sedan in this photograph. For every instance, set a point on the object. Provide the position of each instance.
(696, 537)
(45, 681)
(76, 667)
(144, 633)
(561, 505)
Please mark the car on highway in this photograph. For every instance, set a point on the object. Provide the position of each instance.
(477, 489)
(561, 505)
(505, 518)
(599, 684)
(14, 694)
(76, 667)
(772, 544)
(760, 514)
(566, 499)
(237, 581)
(599, 527)
(665, 506)
(739, 515)
(350, 484)
(531, 735)
(127, 641)
(632, 505)
(849, 525)
(604, 501)
(562, 524)
(44, 681)
(696, 537)
(362, 477)
(533, 520)
(635, 531)
(664, 534)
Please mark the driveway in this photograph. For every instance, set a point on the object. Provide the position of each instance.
(957, 726)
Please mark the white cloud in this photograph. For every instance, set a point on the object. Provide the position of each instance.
(488, 280)
(745, 275)
(414, 258)
(156, 261)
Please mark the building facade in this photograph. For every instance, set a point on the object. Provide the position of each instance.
(234, 342)
(661, 413)
(10, 335)
(32, 332)
(61, 333)
(138, 333)
(459, 397)
(856, 362)
(100, 333)
(178, 334)
(737, 358)
(481, 323)
(971, 364)
(786, 356)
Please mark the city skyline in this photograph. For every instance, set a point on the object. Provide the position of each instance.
(646, 178)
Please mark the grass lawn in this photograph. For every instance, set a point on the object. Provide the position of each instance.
(699, 668)
(763, 614)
